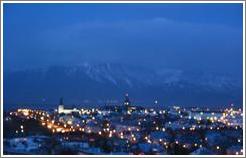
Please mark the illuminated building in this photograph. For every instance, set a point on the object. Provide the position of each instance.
(127, 105)
(61, 109)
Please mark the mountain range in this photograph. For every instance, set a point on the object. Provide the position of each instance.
(106, 83)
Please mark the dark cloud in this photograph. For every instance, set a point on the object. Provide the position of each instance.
(158, 42)
(155, 41)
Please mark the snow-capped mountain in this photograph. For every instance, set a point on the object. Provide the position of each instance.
(99, 83)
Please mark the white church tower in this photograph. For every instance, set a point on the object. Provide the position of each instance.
(61, 106)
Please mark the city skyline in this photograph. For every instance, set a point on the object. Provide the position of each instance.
(123, 79)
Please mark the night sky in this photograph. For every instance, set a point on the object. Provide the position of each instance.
(205, 41)
(205, 37)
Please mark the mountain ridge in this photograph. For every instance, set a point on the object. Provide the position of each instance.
(97, 83)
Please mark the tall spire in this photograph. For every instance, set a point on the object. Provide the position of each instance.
(127, 100)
